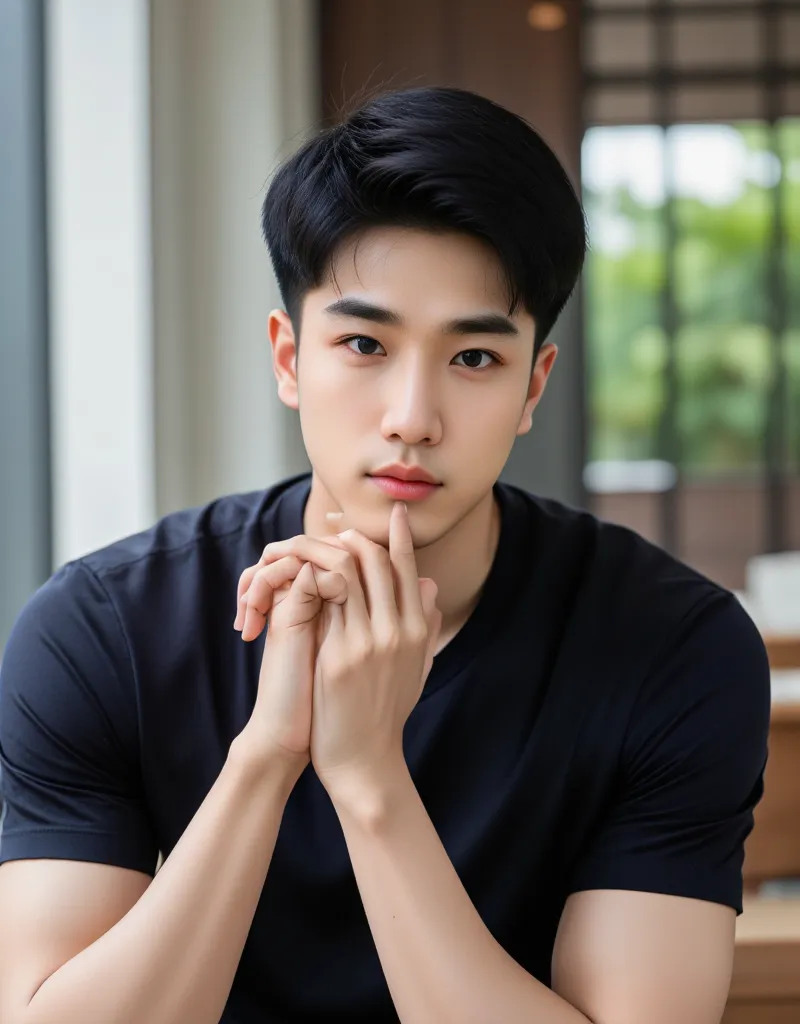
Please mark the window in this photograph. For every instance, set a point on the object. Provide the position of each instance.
(691, 176)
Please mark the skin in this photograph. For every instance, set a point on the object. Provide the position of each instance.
(415, 400)
(620, 957)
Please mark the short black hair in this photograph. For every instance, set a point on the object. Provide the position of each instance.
(432, 158)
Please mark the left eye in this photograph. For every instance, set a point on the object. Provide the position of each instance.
(362, 342)
(472, 358)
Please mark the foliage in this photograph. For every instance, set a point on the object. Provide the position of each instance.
(727, 362)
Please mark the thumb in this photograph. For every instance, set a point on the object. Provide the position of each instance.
(428, 592)
(301, 603)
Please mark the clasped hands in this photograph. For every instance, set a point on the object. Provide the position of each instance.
(352, 634)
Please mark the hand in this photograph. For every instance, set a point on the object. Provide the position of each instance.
(375, 654)
(288, 593)
(407, 630)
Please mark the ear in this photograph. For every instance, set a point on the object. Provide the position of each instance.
(284, 356)
(541, 371)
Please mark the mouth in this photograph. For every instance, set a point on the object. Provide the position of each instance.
(404, 483)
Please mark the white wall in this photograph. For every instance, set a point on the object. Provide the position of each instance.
(234, 90)
(165, 120)
(98, 176)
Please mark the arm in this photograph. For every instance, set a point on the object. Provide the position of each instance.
(100, 941)
(441, 963)
(620, 957)
(648, 932)
(670, 848)
(173, 955)
(624, 957)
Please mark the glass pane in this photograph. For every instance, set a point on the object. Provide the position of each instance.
(709, 3)
(714, 41)
(790, 99)
(722, 178)
(718, 102)
(620, 105)
(624, 196)
(619, 44)
(789, 142)
(789, 38)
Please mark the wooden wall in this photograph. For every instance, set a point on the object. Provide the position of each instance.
(486, 46)
(481, 45)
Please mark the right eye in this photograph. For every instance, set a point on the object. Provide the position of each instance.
(365, 346)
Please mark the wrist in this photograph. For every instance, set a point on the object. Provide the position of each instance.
(263, 760)
(366, 793)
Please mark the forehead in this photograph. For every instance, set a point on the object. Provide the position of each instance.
(411, 263)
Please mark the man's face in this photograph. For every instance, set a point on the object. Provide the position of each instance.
(408, 356)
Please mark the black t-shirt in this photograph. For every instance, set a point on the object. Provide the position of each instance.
(600, 722)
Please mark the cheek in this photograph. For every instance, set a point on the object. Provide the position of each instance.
(333, 403)
(492, 414)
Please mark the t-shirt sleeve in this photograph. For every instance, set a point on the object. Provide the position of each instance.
(691, 771)
(70, 783)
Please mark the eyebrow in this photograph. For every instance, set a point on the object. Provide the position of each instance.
(477, 323)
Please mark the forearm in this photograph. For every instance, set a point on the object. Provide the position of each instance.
(172, 958)
(440, 961)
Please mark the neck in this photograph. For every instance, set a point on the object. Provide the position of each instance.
(459, 561)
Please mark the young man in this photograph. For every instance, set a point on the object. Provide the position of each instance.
(495, 762)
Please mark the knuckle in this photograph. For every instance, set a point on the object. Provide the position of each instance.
(284, 567)
(417, 634)
(362, 649)
(346, 562)
(389, 639)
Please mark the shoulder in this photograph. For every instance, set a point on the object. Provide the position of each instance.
(618, 588)
(647, 630)
(202, 530)
(96, 602)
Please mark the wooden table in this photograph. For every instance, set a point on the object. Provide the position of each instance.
(765, 988)
(783, 649)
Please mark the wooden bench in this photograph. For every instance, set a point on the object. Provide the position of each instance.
(765, 987)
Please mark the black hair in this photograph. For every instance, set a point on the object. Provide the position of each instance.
(437, 159)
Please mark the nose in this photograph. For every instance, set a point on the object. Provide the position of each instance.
(412, 405)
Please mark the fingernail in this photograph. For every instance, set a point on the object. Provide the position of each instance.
(334, 515)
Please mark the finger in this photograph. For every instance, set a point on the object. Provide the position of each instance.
(433, 619)
(246, 579)
(244, 584)
(332, 586)
(256, 603)
(304, 588)
(268, 554)
(327, 556)
(428, 592)
(376, 575)
(303, 601)
(401, 553)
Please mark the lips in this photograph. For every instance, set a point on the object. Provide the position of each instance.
(408, 474)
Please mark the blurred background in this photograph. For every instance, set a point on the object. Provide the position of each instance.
(137, 141)
(138, 138)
